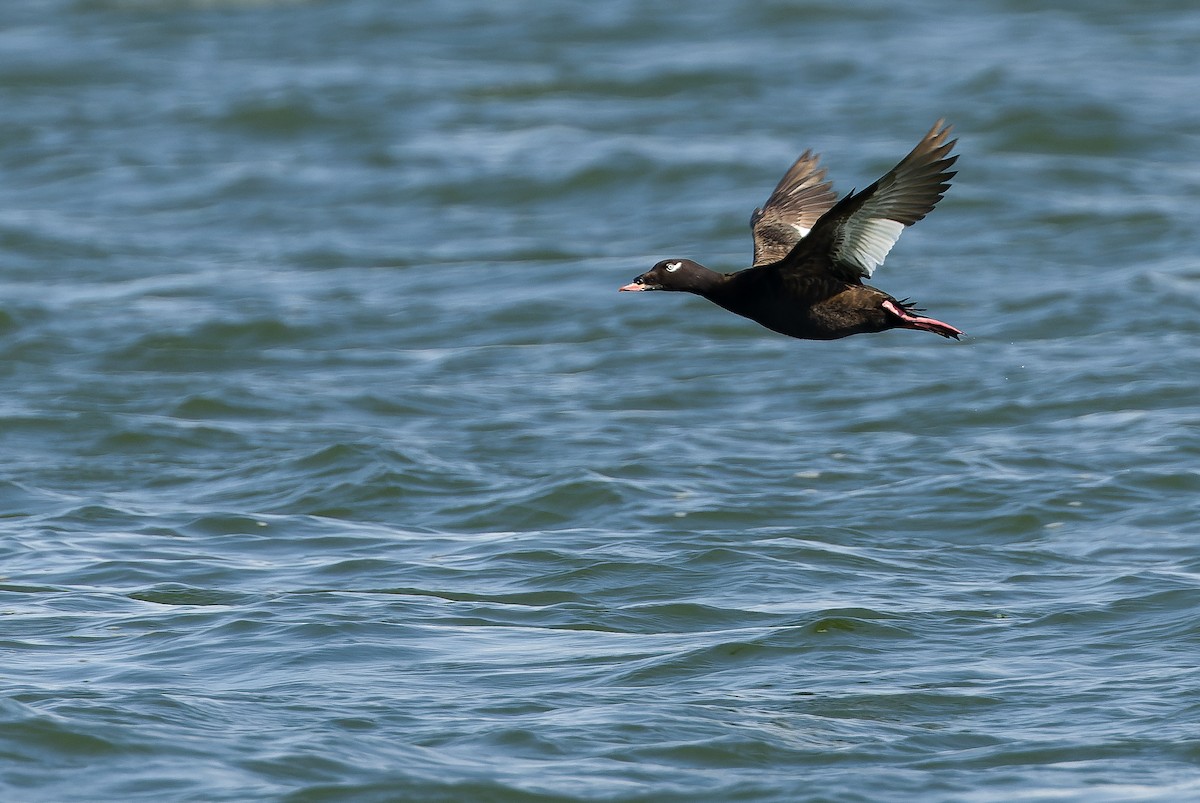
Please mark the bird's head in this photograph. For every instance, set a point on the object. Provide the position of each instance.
(673, 274)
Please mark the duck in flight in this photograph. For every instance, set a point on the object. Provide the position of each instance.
(811, 254)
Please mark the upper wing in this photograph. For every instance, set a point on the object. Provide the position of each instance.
(855, 236)
(799, 200)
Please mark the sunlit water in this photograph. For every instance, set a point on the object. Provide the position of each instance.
(335, 467)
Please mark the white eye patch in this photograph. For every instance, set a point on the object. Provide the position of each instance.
(673, 266)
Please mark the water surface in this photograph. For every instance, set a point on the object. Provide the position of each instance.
(336, 468)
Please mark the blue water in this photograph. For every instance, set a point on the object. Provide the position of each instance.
(335, 467)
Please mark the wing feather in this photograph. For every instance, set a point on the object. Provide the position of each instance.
(854, 237)
(796, 204)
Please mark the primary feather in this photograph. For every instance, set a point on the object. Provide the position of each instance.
(796, 204)
(860, 230)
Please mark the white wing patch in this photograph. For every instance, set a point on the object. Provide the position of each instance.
(803, 232)
(866, 244)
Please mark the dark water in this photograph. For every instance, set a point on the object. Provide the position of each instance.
(335, 468)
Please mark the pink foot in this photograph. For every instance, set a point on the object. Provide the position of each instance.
(910, 321)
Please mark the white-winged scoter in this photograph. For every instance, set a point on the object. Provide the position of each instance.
(811, 254)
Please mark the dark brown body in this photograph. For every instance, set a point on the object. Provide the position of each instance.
(808, 307)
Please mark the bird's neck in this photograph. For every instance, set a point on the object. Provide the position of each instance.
(705, 282)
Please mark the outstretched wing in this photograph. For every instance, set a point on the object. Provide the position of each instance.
(854, 237)
(799, 200)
